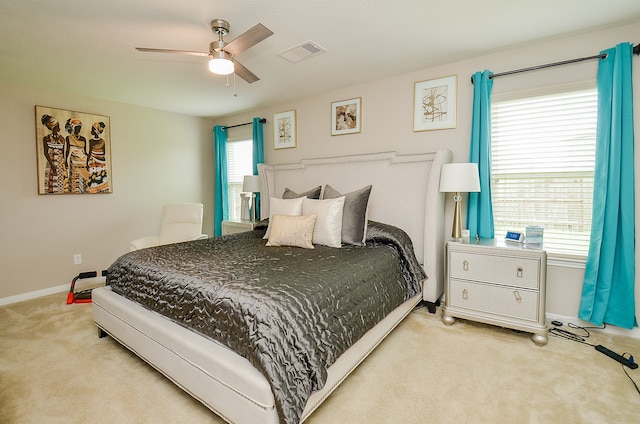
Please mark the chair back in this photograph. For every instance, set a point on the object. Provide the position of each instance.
(180, 222)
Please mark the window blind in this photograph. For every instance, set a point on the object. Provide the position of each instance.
(239, 164)
(543, 160)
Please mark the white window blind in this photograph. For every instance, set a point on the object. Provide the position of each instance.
(543, 160)
(239, 164)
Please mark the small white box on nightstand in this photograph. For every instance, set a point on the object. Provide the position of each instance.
(534, 234)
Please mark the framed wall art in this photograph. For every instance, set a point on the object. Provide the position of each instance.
(435, 104)
(284, 130)
(73, 152)
(346, 116)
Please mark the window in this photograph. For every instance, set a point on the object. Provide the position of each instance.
(543, 161)
(239, 164)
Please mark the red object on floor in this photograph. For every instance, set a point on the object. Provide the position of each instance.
(83, 296)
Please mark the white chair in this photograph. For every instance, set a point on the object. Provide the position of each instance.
(180, 222)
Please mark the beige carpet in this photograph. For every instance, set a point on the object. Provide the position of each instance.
(54, 369)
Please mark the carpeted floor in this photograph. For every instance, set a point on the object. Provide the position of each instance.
(54, 369)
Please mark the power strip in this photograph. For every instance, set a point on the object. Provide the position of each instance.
(611, 354)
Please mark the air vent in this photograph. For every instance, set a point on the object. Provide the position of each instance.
(302, 51)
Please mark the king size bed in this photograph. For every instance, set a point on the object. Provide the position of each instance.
(262, 326)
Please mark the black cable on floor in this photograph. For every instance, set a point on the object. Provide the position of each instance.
(565, 334)
(581, 338)
(628, 376)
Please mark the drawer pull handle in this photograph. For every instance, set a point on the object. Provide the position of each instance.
(465, 265)
(465, 294)
(519, 272)
(516, 294)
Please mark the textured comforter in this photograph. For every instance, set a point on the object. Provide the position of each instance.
(290, 311)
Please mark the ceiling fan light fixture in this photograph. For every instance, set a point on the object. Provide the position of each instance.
(222, 55)
(220, 63)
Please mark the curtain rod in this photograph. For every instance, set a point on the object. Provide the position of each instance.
(636, 50)
(262, 120)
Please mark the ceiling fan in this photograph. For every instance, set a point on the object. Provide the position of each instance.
(222, 55)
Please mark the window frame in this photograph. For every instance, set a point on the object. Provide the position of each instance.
(234, 188)
(555, 258)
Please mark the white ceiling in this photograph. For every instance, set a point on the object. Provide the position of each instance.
(87, 46)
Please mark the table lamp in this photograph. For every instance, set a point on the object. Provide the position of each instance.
(459, 178)
(251, 184)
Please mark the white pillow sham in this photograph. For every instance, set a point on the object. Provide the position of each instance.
(295, 231)
(328, 228)
(354, 215)
(283, 207)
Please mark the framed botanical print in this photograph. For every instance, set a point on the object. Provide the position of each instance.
(73, 152)
(284, 130)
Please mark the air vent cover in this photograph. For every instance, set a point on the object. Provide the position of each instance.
(302, 51)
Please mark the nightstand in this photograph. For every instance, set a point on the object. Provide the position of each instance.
(497, 282)
(232, 227)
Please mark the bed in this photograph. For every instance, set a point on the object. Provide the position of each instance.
(257, 385)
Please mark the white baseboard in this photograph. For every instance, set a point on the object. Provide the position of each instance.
(609, 329)
(33, 295)
(45, 292)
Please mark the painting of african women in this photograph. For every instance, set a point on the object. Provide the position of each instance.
(74, 152)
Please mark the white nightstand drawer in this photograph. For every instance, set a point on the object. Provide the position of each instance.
(507, 270)
(506, 301)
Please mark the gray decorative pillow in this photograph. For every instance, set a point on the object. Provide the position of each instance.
(354, 215)
(314, 193)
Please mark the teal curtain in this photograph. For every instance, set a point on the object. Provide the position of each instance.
(608, 294)
(479, 207)
(258, 153)
(221, 198)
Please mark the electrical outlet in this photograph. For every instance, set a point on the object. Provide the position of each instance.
(77, 259)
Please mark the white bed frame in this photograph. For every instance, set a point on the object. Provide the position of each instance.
(405, 194)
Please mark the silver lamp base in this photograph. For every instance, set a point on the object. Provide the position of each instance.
(456, 231)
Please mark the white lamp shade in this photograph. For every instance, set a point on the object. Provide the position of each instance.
(251, 184)
(459, 178)
(220, 63)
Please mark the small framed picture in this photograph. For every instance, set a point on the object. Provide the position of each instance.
(284, 130)
(346, 116)
(435, 104)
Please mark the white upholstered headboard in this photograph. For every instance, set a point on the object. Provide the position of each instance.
(405, 193)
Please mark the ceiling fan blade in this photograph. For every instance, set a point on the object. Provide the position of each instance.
(186, 52)
(248, 39)
(244, 73)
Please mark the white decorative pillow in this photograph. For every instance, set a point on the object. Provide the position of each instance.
(328, 229)
(283, 207)
(354, 217)
(288, 230)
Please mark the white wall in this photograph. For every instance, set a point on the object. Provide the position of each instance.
(157, 157)
(387, 118)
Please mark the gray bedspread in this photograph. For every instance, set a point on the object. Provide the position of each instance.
(290, 311)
